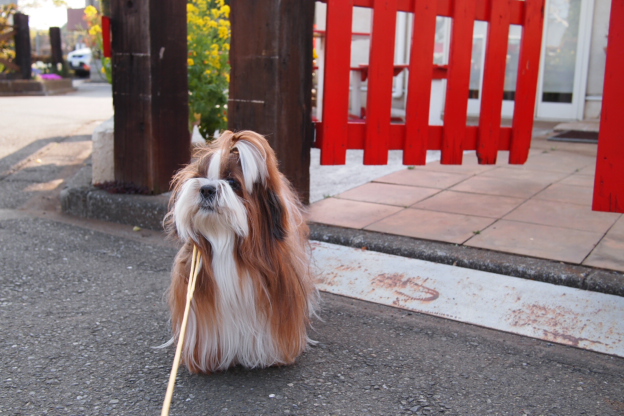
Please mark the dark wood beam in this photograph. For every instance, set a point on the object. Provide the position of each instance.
(22, 45)
(150, 91)
(55, 45)
(271, 80)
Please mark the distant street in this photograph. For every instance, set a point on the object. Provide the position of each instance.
(82, 305)
(24, 121)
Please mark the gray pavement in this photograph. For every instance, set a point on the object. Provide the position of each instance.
(81, 306)
(29, 123)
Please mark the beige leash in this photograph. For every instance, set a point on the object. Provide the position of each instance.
(195, 266)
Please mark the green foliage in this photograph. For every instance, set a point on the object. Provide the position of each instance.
(7, 49)
(95, 41)
(208, 64)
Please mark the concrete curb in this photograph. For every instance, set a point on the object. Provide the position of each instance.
(149, 211)
(136, 210)
(548, 271)
(33, 87)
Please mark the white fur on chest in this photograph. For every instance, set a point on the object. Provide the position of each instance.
(243, 333)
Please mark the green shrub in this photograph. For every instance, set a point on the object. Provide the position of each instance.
(7, 49)
(208, 64)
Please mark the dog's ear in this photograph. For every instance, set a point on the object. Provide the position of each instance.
(253, 161)
(277, 213)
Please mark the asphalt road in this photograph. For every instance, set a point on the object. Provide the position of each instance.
(81, 306)
(29, 123)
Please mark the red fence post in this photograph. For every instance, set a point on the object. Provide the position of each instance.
(334, 131)
(457, 87)
(526, 89)
(420, 74)
(609, 182)
(106, 37)
(493, 81)
(380, 74)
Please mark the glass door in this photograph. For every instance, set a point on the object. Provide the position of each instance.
(561, 93)
(476, 73)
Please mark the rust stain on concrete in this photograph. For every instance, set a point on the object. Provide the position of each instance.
(400, 285)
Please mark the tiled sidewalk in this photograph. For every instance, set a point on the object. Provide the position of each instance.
(541, 209)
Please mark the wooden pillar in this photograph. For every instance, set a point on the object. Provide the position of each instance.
(271, 80)
(22, 45)
(609, 181)
(150, 91)
(55, 44)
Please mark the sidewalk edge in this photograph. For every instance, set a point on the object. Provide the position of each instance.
(548, 271)
(149, 211)
(136, 210)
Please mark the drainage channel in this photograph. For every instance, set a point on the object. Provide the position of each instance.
(574, 317)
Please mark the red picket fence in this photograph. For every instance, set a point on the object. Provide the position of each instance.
(377, 134)
(609, 184)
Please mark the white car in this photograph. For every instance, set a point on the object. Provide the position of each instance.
(80, 61)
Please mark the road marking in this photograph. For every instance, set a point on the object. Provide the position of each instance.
(579, 318)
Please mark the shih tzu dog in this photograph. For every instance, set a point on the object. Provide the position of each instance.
(254, 295)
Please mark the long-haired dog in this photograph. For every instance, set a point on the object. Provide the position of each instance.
(254, 295)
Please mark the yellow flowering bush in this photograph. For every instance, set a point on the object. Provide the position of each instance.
(94, 40)
(7, 49)
(208, 64)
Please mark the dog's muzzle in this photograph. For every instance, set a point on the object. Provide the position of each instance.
(208, 195)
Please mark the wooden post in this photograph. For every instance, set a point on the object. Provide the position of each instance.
(22, 45)
(150, 91)
(609, 181)
(271, 80)
(55, 44)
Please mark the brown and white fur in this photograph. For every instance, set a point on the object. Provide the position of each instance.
(254, 294)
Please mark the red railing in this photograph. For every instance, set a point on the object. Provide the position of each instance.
(106, 37)
(609, 184)
(376, 134)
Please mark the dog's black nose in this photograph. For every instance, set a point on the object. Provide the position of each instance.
(208, 191)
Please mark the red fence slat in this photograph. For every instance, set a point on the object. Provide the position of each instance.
(380, 74)
(420, 75)
(526, 88)
(609, 182)
(493, 82)
(106, 37)
(337, 75)
(455, 111)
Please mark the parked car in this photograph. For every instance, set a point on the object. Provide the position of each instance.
(80, 61)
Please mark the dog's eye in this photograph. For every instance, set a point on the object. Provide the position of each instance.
(234, 184)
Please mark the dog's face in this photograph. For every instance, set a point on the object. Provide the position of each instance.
(226, 181)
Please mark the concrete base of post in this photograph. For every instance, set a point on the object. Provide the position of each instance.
(103, 158)
(32, 87)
